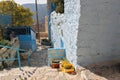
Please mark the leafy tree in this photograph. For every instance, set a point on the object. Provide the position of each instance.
(59, 5)
(20, 16)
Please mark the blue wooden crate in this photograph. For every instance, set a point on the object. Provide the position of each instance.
(54, 53)
(26, 42)
(26, 36)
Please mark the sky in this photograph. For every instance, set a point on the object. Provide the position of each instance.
(29, 1)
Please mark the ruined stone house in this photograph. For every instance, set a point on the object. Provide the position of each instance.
(89, 30)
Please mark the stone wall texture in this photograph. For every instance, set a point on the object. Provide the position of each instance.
(89, 29)
(7, 53)
(65, 27)
(99, 31)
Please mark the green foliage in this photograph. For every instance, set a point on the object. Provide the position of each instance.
(55, 1)
(4, 42)
(59, 5)
(20, 16)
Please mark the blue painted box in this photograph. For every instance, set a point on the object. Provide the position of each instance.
(26, 36)
(54, 53)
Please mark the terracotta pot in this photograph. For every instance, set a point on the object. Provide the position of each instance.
(55, 65)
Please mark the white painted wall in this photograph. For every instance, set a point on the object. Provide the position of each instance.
(91, 34)
(68, 23)
(99, 31)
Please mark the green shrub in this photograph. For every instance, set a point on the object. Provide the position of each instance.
(59, 5)
(55, 1)
(4, 42)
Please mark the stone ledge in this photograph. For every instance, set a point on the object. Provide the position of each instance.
(6, 53)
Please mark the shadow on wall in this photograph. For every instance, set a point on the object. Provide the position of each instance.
(103, 71)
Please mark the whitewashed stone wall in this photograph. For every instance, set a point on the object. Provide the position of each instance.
(56, 23)
(68, 23)
(91, 30)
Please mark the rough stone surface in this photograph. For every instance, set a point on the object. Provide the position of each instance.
(6, 53)
(24, 55)
(38, 69)
(65, 27)
(90, 30)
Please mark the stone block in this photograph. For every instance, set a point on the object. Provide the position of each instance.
(6, 53)
(24, 55)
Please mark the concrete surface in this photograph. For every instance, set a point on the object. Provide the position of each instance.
(99, 31)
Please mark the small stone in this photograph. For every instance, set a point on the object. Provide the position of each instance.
(25, 78)
(29, 76)
(30, 73)
(23, 74)
(21, 70)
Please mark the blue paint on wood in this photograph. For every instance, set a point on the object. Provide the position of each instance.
(26, 36)
(55, 53)
(18, 55)
(61, 43)
(52, 8)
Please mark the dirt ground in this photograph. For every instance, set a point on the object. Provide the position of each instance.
(106, 72)
(37, 71)
(40, 71)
